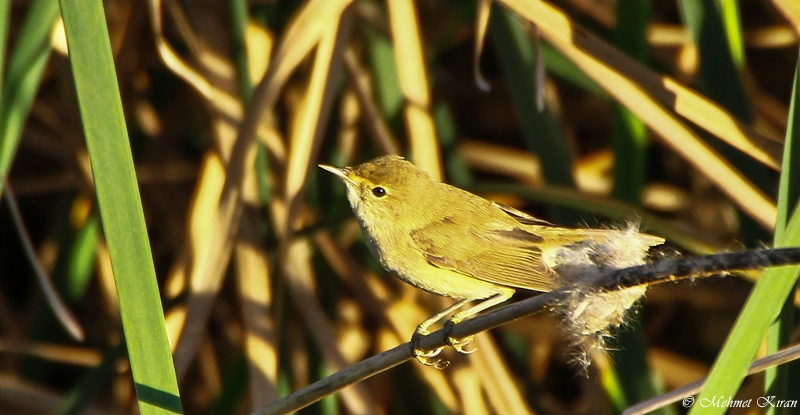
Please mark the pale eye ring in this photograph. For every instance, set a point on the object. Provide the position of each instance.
(379, 191)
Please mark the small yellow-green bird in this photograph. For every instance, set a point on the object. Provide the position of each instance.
(450, 242)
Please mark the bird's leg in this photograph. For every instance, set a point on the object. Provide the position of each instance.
(422, 330)
(459, 344)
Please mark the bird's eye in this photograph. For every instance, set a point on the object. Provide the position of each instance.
(379, 191)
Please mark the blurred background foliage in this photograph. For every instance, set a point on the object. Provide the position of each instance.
(670, 114)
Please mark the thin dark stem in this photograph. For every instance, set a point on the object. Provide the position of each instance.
(662, 271)
(682, 268)
(54, 300)
(685, 393)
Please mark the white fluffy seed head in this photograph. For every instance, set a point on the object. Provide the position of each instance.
(590, 314)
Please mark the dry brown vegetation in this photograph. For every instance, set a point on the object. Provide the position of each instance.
(266, 283)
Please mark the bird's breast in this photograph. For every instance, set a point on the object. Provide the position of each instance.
(398, 253)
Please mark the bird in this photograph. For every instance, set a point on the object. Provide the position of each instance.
(450, 242)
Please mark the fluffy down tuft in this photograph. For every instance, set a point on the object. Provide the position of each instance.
(590, 314)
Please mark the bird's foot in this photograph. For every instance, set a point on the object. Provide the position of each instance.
(457, 344)
(426, 357)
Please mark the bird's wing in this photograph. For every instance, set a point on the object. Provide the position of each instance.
(521, 216)
(502, 254)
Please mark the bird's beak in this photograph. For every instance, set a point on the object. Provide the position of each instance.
(340, 172)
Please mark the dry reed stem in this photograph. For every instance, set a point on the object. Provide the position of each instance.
(791, 11)
(788, 354)
(361, 80)
(399, 316)
(413, 78)
(57, 305)
(17, 392)
(253, 276)
(311, 121)
(298, 270)
(651, 97)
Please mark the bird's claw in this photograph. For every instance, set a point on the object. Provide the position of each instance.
(427, 357)
(458, 344)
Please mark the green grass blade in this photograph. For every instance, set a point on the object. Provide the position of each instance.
(761, 309)
(81, 259)
(733, 28)
(238, 30)
(721, 81)
(629, 144)
(716, 29)
(789, 187)
(5, 13)
(558, 65)
(629, 134)
(120, 207)
(719, 74)
(541, 132)
(234, 387)
(239, 21)
(457, 170)
(540, 129)
(770, 293)
(380, 53)
(777, 379)
(26, 66)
